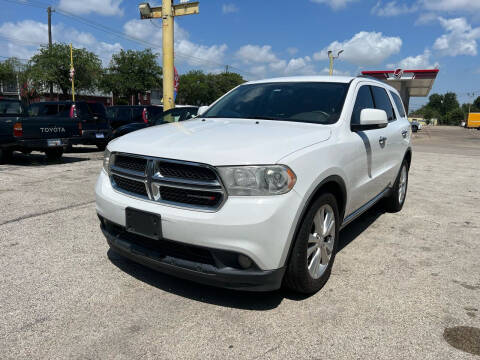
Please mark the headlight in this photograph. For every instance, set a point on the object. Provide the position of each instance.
(257, 180)
(106, 161)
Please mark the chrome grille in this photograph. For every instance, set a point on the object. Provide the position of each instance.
(172, 182)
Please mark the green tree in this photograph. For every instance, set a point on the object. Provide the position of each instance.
(198, 88)
(132, 72)
(454, 117)
(476, 104)
(54, 66)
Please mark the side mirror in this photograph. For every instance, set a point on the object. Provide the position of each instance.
(202, 109)
(371, 119)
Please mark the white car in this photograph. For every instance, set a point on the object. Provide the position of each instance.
(252, 194)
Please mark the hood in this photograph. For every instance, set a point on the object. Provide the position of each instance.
(223, 141)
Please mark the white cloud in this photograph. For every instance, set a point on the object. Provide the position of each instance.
(393, 8)
(426, 18)
(334, 4)
(421, 61)
(300, 66)
(102, 7)
(452, 5)
(199, 56)
(460, 39)
(263, 62)
(326, 71)
(229, 8)
(31, 34)
(364, 48)
(292, 50)
(256, 54)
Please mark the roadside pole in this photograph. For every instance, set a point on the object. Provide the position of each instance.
(167, 12)
(49, 12)
(72, 72)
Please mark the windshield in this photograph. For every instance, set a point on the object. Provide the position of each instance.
(313, 102)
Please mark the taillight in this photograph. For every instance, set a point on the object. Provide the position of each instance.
(17, 130)
(145, 115)
(73, 111)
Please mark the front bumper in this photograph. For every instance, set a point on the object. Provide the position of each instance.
(258, 227)
(189, 267)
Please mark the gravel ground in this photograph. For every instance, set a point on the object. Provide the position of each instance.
(402, 285)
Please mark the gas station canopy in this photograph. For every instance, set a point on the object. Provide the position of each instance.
(416, 83)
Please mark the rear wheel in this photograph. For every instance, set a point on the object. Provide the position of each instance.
(315, 247)
(54, 154)
(394, 203)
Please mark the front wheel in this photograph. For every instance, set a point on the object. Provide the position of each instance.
(394, 203)
(54, 154)
(315, 247)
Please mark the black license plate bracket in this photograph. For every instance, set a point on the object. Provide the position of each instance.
(143, 223)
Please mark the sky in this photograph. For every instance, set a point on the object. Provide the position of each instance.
(260, 39)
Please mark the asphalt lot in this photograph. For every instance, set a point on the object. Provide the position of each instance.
(401, 285)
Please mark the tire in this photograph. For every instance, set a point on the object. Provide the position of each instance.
(101, 146)
(5, 156)
(299, 277)
(54, 154)
(394, 202)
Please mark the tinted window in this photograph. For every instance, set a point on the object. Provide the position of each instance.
(399, 104)
(11, 108)
(60, 110)
(313, 102)
(364, 101)
(97, 109)
(33, 110)
(382, 102)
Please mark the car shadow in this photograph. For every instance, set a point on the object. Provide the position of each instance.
(358, 226)
(230, 298)
(82, 150)
(39, 159)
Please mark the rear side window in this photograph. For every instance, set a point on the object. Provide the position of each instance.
(364, 101)
(399, 103)
(382, 102)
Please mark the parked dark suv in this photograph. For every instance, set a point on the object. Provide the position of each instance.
(173, 115)
(95, 129)
(120, 115)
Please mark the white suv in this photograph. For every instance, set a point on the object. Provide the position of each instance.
(252, 194)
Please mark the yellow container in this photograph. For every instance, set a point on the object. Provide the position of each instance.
(473, 120)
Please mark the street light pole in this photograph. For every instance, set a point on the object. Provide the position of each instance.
(331, 57)
(167, 12)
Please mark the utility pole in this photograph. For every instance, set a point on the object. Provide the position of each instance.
(167, 12)
(226, 69)
(72, 72)
(49, 12)
(332, 58)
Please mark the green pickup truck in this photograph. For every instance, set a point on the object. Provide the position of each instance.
(19, 132)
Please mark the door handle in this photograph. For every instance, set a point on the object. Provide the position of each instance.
(382, 140)
(404, 133)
